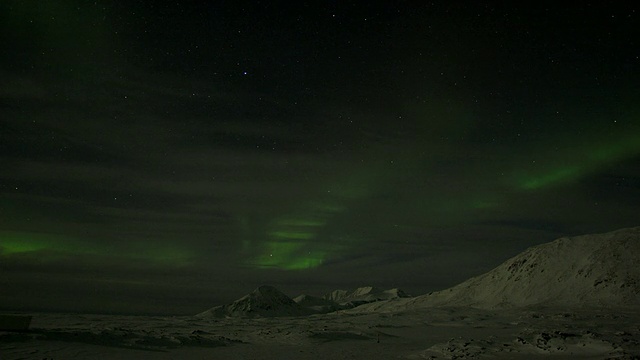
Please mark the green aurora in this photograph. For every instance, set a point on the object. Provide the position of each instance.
(305, 238)
(579, 162)
(300, 241)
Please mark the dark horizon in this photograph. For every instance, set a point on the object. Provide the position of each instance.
(166, 157)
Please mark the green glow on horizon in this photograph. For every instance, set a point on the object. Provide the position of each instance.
(11, 246)
(53, 247)
(12, 243)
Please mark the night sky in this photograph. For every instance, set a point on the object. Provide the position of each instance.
(166, 157)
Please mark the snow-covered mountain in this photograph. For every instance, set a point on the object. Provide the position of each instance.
(363, 295)
(265, 301)
(336, 295)
(317, 304)
(598, 270)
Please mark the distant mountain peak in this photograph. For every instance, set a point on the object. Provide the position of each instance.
(365, 290)
(267, 291)
(364, 294)
(264, 301)
(267, 301)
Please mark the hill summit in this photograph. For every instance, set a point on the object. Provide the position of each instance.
(599, 270)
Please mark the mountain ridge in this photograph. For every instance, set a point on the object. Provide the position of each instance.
(267, 301)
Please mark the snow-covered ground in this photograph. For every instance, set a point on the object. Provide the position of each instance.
(573, 298)
(428, 333)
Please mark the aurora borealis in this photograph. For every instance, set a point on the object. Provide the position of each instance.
(199, 149)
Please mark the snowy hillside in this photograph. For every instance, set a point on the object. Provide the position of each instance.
(364, 295)
(598, 270)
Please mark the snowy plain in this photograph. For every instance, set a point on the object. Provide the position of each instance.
(429, 333)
